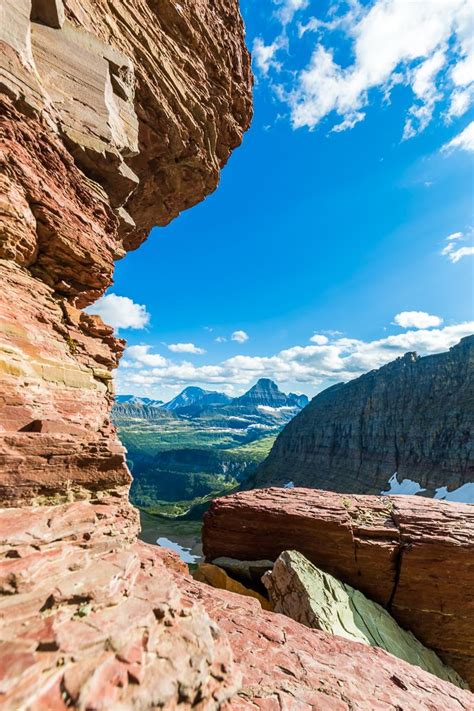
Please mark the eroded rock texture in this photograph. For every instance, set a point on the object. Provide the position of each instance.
(286, 666)
(413, 556)
(414, 416)
(114, 117)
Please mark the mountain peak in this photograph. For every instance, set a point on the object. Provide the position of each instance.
(264, 392)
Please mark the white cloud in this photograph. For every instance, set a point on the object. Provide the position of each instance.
(319, 339)
(426, 46)
(312, 367)
(464, 141)
(185, 348)
(417, 319)
(454, 255)
(454, 236)
(220, 339)
(264, 54)
(120, 312)
(141, 355)
(289, 8)
(240, 336)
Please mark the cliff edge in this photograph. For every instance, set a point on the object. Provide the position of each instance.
(413, 417)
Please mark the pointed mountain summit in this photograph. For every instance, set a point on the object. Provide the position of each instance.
(192, 395)
(264, 392)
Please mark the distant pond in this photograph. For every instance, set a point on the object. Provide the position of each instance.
(182, 537)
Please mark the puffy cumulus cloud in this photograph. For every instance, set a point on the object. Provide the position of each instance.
(264, 55)
(141, 355)
(240, 336)
(120, 312)
(464, 141)
(452, 251)
(311, 367)
(426, 46)
(319, 339)
(185, 348)
(416, 319)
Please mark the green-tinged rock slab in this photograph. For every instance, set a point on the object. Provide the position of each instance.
(318, 600)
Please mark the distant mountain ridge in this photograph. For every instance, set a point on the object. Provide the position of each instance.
(413, 417)
(191, 395)
(194, 401)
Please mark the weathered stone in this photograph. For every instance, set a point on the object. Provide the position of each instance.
(50, 12)
(218, 578)
(298, 589)
(114, 117)
(93, 619)
(413, 556)
(413, 417)
(287, 666)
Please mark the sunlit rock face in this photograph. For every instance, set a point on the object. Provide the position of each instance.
(114, 117)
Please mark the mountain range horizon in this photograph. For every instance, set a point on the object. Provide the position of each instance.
(264, 392)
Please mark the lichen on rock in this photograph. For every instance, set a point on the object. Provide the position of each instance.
(300, 590)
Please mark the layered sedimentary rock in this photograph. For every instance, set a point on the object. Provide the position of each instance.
(300, 590)
(91, 619)
(413, 417)
(114, 117)
(413, 556)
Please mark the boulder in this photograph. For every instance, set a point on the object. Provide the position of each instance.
(218, 578)
(247, 571)
(286, 666)
(300, 590)
(414, 556)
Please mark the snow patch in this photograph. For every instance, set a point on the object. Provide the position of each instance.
(407, 487)
(463, 495)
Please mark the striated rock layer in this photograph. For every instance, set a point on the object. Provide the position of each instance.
(286, 666)
(413, 417)
(114, 117)
(413, 556)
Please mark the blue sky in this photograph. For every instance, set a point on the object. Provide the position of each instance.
(330, 219)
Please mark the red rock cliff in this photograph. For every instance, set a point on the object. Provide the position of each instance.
(114, 117)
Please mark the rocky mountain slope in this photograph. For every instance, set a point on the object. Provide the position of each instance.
(198, 445)
(192, 395)
(413, 417)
